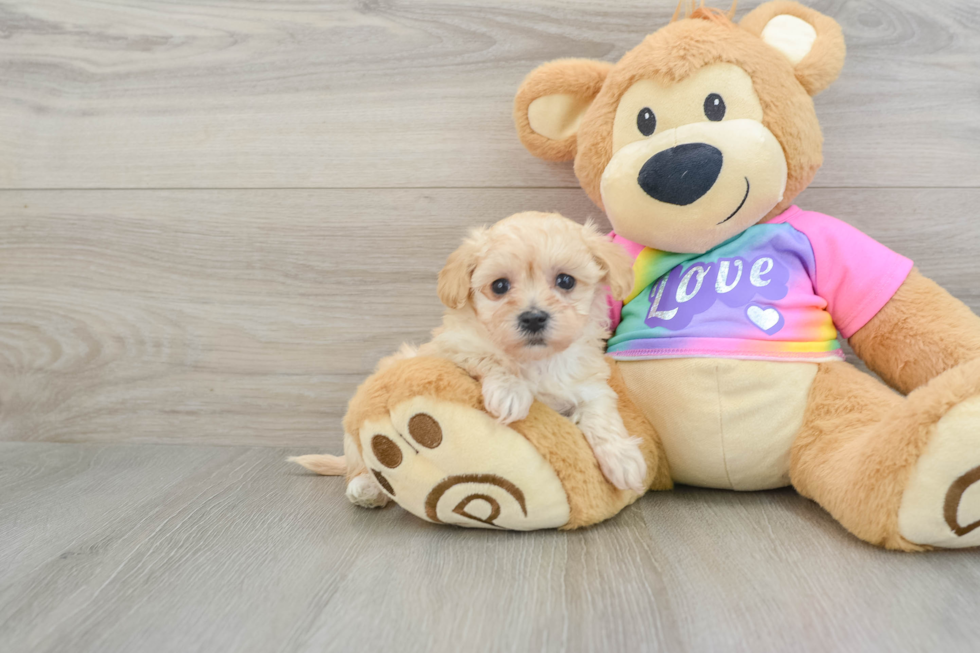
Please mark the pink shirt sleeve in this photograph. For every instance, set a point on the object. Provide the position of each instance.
(615, 306)
(855, 274)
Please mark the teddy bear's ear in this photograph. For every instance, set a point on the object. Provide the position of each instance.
(812, 42)
(552, 101)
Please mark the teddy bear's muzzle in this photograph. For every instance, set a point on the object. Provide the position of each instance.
(692, 187)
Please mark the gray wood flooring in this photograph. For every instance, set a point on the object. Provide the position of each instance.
(198, 548)
(216, 216)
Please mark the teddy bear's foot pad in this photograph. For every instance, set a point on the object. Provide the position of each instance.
(941, 504)
(452, 464)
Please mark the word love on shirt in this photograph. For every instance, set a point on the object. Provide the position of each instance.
(685, 292)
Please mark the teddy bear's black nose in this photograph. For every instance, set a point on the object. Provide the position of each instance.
(682, 174)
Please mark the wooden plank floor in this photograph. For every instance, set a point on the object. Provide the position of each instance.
(216, 216)
(192, 548)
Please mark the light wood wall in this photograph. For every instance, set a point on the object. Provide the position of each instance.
(215, 217)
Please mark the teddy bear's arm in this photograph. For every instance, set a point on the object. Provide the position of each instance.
(921, 332)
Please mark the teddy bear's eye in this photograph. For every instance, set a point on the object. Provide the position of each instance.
(714, 107)
(500, 286)
(646, 122)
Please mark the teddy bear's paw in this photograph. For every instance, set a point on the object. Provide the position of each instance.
(452, 464)
(941, 504)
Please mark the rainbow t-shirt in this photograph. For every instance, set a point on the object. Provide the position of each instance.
(778, 291)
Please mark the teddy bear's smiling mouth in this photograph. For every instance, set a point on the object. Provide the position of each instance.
(747, 186)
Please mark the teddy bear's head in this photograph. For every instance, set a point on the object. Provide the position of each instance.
(703, 130)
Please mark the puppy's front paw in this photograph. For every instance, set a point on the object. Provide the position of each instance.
(507, 400)
(364, 491)
(622, 463)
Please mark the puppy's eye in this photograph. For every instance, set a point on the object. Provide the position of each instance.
(714, 107)
(565, 281)
(646, 122)
(500, 286)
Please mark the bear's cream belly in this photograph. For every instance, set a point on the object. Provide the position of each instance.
(724, 423)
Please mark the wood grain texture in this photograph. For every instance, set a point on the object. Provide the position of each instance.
(234, 317)
(303, 93)
(156, 548)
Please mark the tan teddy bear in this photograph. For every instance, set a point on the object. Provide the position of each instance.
(695, 144)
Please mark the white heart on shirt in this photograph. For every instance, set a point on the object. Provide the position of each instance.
(764, 318)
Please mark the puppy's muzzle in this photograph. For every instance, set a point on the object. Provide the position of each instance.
(682, 174)
(533, 322)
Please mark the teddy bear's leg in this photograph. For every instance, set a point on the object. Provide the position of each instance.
(896, 471)
(420, 429)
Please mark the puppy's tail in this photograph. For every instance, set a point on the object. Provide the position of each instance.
(322, 464)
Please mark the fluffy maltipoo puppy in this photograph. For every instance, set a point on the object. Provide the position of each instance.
(528, 316)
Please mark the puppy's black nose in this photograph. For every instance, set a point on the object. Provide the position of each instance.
(682, 174)
(533, 321)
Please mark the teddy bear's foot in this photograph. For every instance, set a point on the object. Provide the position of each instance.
(941, 503)
(452, 464)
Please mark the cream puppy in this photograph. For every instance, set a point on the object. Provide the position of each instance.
(528, 317)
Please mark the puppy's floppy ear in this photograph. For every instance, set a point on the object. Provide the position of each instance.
(812, 42)
(551, 102)
(454, 278)
(614, 261)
